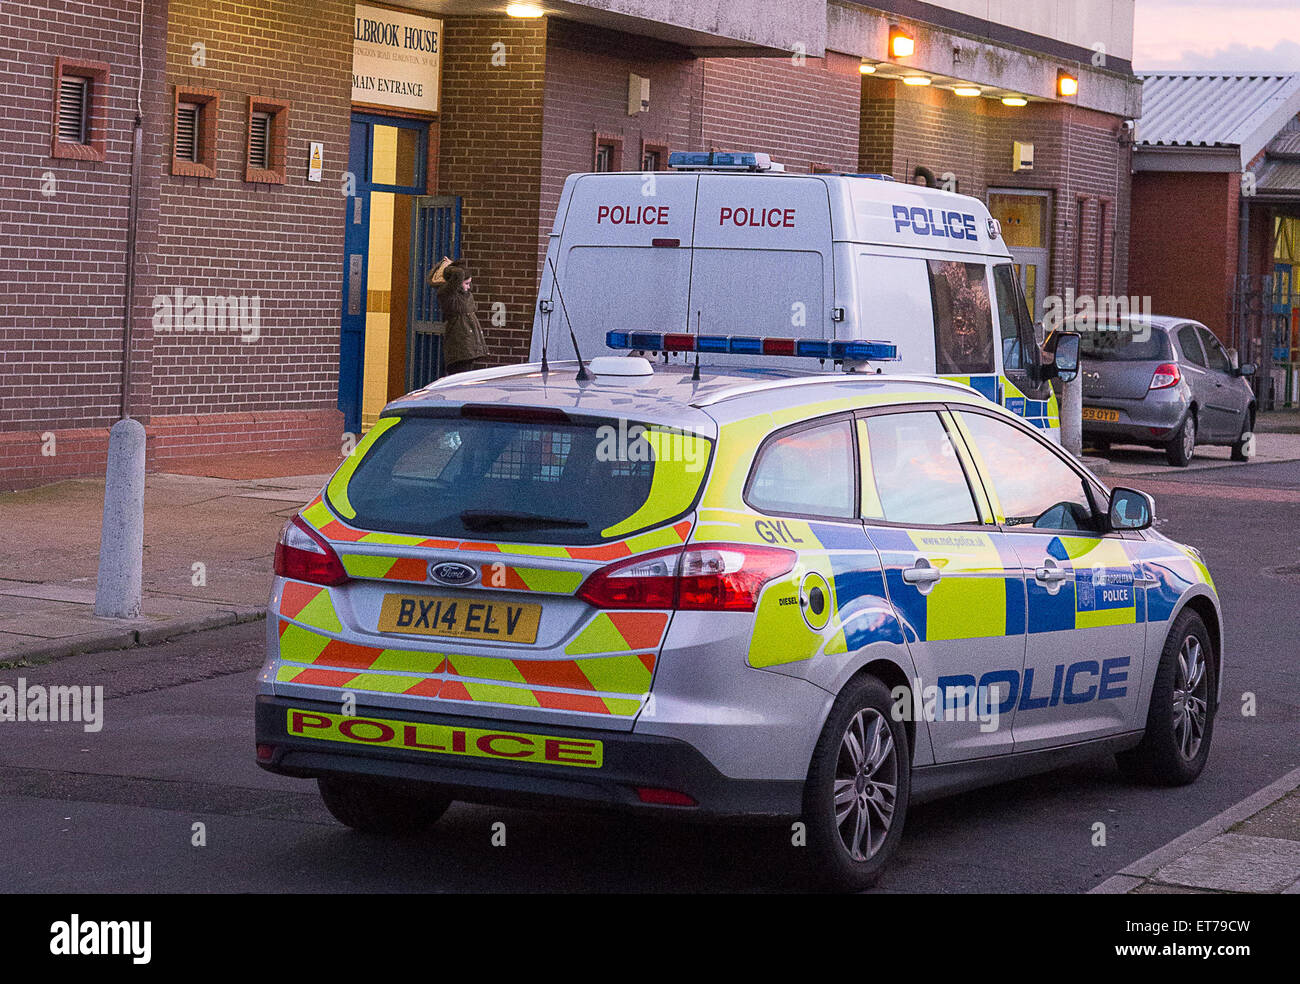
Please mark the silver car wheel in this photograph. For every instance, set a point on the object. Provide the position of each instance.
(866, 784)
(1189, 437)
(1191, 698)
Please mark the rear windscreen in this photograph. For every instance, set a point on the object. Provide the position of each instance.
(1125, 344)
(571, 482)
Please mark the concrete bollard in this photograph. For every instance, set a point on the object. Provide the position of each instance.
(1072, 416)
(121, 542)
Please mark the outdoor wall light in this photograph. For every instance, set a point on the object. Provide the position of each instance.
(916, 80)
(1066, 85)
(968, 90)
(901, 44)
(1014, 101)
(867, 68)
(523, 10)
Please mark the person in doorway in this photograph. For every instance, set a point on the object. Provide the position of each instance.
(463, 345)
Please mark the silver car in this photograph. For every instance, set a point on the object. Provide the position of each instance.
(1164, 382)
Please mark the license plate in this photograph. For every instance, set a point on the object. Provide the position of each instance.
(1096, 413)
(459, 618)
(444, 739)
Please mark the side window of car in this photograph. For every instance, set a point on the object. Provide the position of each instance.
(963, 318)
(911, 473)
(1191, 346)
(1034, 487)
(807, 472)
(1215, 357)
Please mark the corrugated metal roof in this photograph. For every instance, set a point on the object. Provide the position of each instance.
(1286, 143)
(1200, 109)
(1278, 177)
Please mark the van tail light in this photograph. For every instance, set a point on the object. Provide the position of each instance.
(1166, 375)
(715, 577)
(302, 554)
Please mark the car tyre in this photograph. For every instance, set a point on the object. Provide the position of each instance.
(1182, 447)
(1180, 717)
(381, 808)
(1239, 445)
(859, 782)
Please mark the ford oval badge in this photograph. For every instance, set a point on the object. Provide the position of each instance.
(453, 573)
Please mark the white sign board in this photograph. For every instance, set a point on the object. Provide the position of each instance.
(316, 163)
(396, 59)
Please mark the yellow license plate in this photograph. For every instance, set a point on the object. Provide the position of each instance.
(444, 739)
(459, 618)
(1095, 413)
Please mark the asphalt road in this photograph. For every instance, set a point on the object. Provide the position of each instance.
(116, 811)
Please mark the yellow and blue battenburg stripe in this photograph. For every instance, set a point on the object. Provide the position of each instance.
(1044, 414)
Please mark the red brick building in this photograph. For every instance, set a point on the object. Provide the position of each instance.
(301, 165)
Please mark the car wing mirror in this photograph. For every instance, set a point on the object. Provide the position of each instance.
(1248, 369)
(1131, 510)
(1062, 351)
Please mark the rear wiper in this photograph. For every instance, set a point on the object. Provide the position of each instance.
(486, 519)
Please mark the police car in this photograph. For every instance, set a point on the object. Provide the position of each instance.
(724, 592)
(728, 243)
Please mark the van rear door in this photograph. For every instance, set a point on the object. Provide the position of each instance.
(623, 257)
(763, 263)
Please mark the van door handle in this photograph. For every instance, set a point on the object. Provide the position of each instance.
(922, 573)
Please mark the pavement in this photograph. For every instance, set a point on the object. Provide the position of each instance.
(210, 530)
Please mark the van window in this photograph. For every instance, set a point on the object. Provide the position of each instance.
(1015, 326)
(963, 319)
(808, 472)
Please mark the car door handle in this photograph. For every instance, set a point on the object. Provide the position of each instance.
(1051, 575)
(921, 574)
(1145, 582)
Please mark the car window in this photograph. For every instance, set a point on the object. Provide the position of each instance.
(1034, 487)
(1215, 357)
(963, 318)
(1191, 347)
(910, 472)
(807, 472)
(1125, 342)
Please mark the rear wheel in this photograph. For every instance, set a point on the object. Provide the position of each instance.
(381, 808)
(1182, 446)
(859, 782)
(1180, 718)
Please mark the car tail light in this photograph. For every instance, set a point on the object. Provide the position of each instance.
(716, 577)
(1166, 375)
(302, 554)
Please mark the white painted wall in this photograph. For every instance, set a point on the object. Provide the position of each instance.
(1080, 22)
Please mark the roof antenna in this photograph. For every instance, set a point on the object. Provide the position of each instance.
(546, 334)
(695, 376)
(582, 368)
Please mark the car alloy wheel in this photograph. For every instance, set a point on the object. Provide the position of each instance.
(1189, 440)
(866, 784)
(1190, 698)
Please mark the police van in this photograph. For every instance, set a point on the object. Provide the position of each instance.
(731, 244)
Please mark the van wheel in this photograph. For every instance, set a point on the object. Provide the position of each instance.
(1245, 443)
(855, 801)
(1180, 718)
(1181, 448)
(380, 808)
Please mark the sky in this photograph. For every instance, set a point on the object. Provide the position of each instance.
(1218, 35)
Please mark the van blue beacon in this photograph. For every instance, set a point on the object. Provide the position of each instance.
(731, 246)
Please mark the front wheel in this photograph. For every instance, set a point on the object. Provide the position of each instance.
(381, 808)
(1180, 718)
(1182, 447)
(855, 801)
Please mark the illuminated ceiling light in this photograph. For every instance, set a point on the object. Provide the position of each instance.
(523, 10)
(968, 90)
(901, 44)
(916, 80)
(1066, 85)
(867, 68)
(1014, 101)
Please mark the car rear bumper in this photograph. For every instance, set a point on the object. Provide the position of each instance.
(628, 761)
(1152, 420)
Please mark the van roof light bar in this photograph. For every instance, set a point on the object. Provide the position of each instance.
(716, 160)
(838, 350)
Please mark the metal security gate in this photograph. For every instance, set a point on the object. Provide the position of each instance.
(435, 233)
(1266, 325)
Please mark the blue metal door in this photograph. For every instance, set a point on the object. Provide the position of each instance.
(435, 233)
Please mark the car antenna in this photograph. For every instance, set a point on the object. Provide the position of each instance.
(546, 334)
(695, 376)
(582, 368)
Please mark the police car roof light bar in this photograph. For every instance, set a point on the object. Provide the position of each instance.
(840, 350)
(693, 160)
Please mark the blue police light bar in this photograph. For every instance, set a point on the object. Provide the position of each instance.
(840, 350)
(718, 160)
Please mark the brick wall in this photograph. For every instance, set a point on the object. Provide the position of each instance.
(491, 140)
(279, 243)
